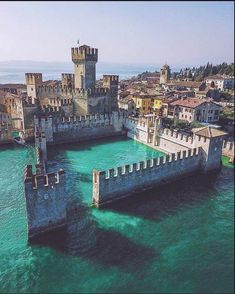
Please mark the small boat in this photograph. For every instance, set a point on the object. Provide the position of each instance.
(19, 141)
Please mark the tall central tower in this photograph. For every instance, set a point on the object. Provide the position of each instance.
(84, 59)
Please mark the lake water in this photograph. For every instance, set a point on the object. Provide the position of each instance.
(173, 239)
(14, 72)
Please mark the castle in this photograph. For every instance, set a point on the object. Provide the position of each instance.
(77, 93)
(45, 193)
(77, 110)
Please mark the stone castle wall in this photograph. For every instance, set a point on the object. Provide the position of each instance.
(74, 129)
(228, 149)
(114, 184)
(171, 141)
(45, 201)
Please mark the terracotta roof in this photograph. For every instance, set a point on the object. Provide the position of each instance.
(191, 102)
(169, 99)
(192, 84)
(208, 132)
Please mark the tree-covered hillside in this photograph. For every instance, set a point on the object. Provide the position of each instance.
(199, 73)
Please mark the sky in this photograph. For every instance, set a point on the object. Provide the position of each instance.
(124, 32)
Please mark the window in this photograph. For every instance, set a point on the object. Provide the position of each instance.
(216, 112)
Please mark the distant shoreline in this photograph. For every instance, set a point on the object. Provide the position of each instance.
(14, 71)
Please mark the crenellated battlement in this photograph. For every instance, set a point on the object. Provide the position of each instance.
(67, 75)
(45, 201)
(136, 122)
(110, 78)
(37, 181)
(228, 145)
(67, 80)
(228, 150)
(97, 92)
(33, 78)
(178, 136)
(55, 90)
(64, 90)
(84, 53)
(148, 164)
(84, 121)
(114, 184)
(62, 129)
(47, 109)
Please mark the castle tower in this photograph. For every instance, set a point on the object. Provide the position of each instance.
(157, 131)
(211, 141)
(33, 80)
(84, 59)
(46, 201)
(165, 74)
(67, 80)
(111, 83)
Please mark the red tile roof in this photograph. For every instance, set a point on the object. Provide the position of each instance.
(191, 102)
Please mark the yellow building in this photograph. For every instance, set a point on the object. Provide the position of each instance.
(144, 103)
(157, 104)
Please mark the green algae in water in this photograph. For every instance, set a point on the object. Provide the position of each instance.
(174, 239)
(225, 162)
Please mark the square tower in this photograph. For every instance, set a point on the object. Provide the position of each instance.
(165, 74)
(84, 59)
(67, 80)
(33, 80)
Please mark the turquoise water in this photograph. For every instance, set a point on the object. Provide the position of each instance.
(174, 239)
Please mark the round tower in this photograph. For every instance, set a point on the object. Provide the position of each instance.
(84, 59)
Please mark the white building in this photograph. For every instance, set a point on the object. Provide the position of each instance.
(195, 109)
(220, 82)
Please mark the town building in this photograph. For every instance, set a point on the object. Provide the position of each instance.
(5, 118)
(195, 109)
(13, 105)
(220, 82)
(127, 104)
(143, 103)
